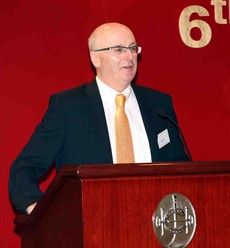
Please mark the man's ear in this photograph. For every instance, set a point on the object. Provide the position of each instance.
(95, 59)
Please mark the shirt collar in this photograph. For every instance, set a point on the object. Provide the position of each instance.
(109, 94)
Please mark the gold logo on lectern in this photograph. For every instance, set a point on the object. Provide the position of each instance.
(174, 221)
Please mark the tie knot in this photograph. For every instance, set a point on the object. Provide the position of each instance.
(120, 100)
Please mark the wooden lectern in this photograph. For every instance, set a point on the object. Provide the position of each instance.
(111, 206)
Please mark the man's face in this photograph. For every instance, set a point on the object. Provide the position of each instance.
(116, 70)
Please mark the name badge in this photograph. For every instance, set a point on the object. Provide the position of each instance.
(163, 138)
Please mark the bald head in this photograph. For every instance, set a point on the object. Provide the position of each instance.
(103, 35)
(115, 70)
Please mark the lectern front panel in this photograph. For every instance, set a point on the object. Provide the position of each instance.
(118, 211)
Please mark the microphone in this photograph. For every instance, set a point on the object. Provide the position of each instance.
(165, 116)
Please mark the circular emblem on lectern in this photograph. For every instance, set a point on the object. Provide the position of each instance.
(174, 221)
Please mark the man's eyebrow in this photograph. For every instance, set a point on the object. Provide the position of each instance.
(132, 44)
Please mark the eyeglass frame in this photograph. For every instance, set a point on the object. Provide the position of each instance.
(126, 48)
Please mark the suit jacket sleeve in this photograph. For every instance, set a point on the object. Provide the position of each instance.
(36, 157)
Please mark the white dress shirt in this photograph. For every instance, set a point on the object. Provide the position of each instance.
(141, 147)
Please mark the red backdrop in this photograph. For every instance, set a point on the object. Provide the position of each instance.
(43, 49)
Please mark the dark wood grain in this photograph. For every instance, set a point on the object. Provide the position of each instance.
(111, 206)
(118, 212)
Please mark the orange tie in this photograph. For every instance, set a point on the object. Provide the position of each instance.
(124, 143)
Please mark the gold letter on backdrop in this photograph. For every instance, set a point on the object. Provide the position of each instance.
(185, 27)
(218, 6)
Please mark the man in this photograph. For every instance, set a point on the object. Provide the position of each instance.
(79, 125)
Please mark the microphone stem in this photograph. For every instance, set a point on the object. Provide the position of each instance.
(180, 133)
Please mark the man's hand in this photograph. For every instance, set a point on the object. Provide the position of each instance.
(31, 207)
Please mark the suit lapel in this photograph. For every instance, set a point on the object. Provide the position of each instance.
(150, 118)
(97, 118)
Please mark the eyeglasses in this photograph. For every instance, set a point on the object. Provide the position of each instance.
(119, 50)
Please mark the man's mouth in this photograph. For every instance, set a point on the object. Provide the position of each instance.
(128, 67)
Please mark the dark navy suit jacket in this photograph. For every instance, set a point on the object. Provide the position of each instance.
(74, 131)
